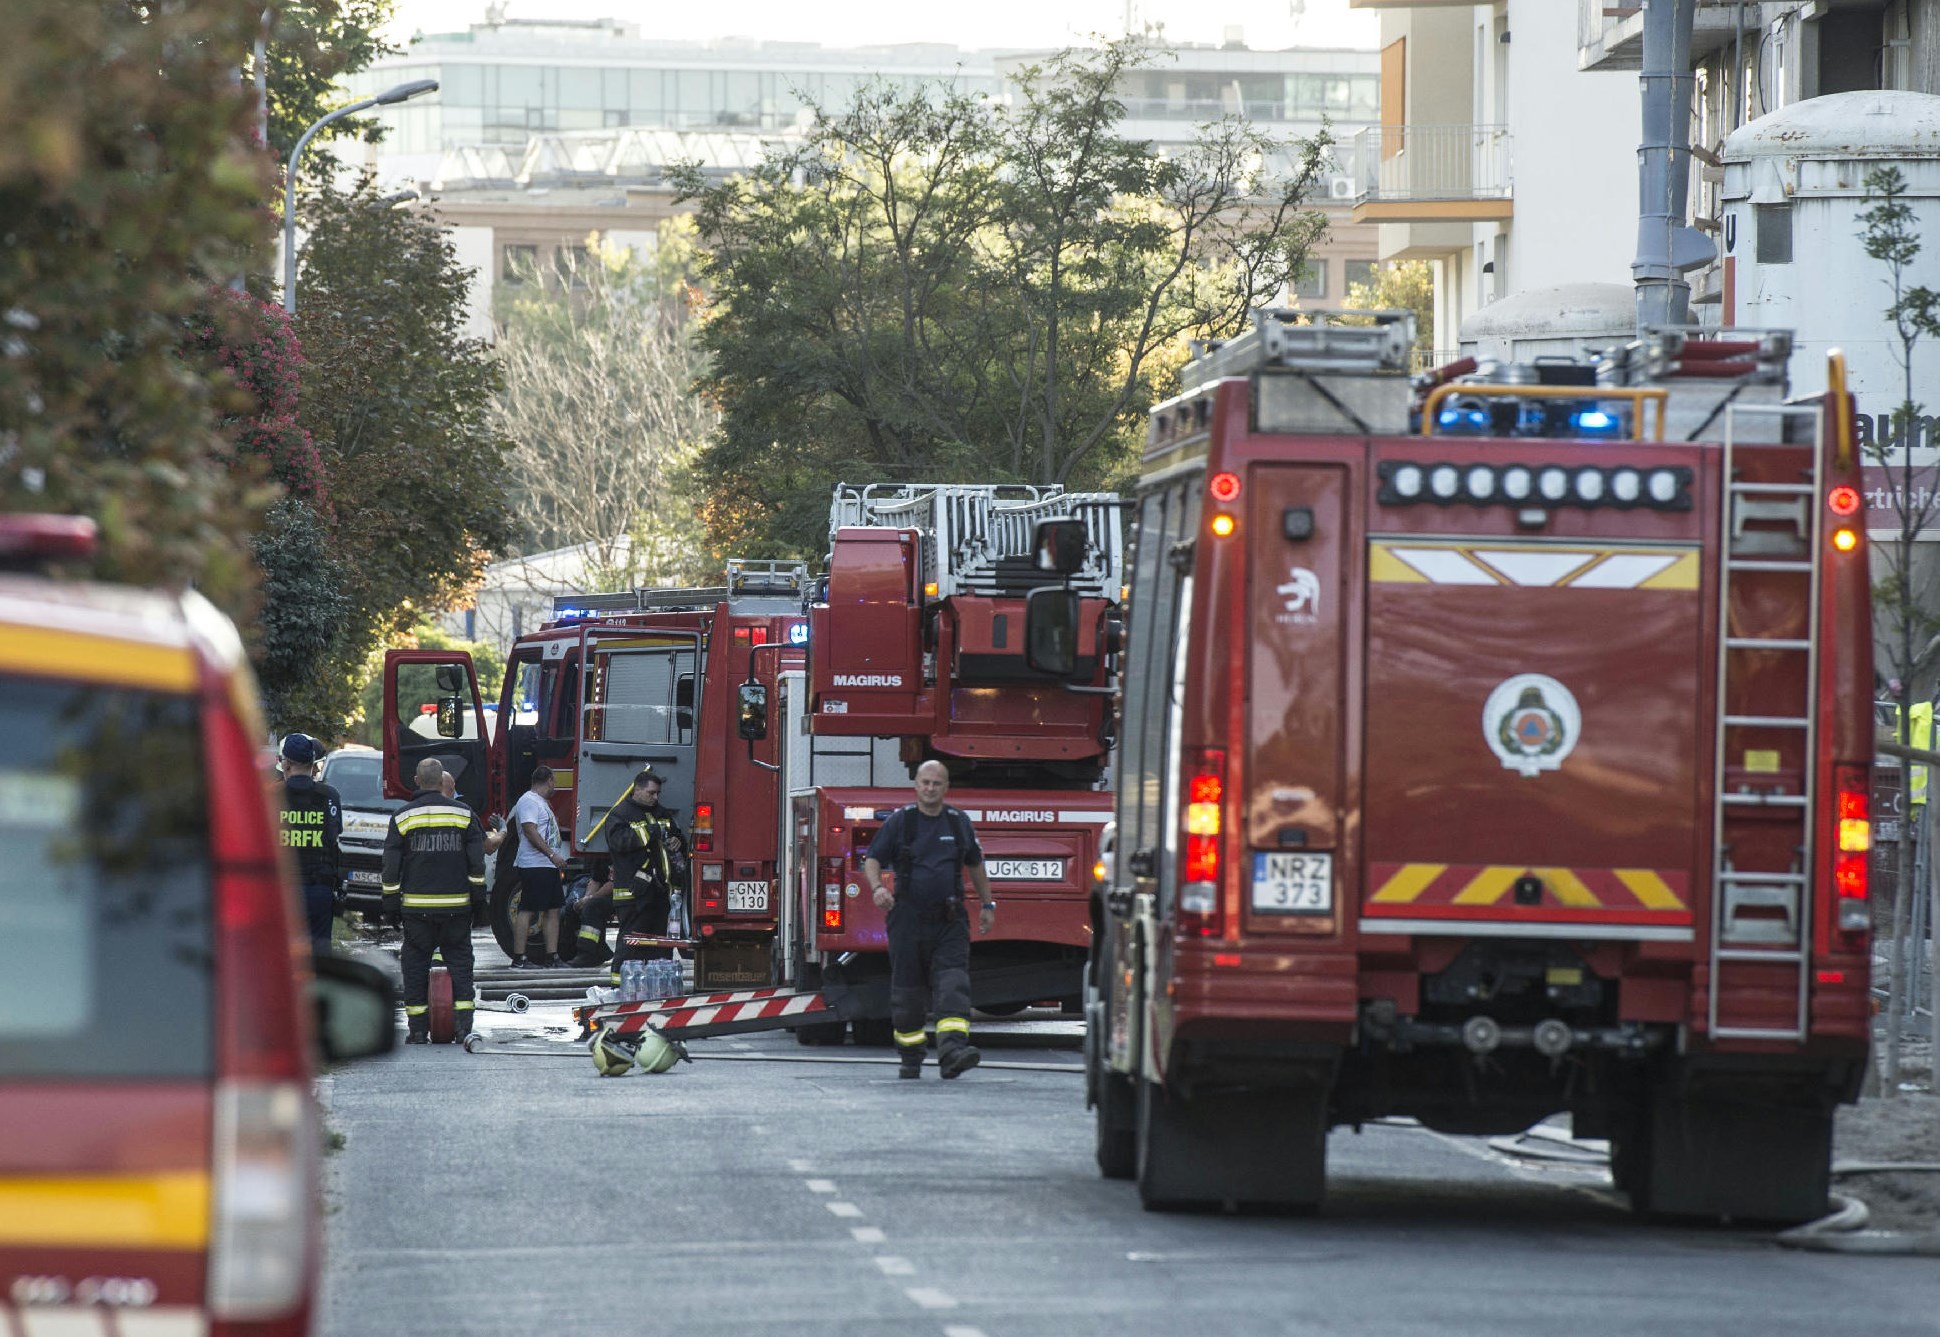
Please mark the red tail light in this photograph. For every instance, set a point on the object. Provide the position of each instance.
(264, 1140)
(831, 895)
(704, 828)
(1199, 911)
(1852, 847)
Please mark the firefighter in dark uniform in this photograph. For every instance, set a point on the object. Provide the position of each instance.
(313, 817)
(649, 862)
(434, 866)
(929, 844)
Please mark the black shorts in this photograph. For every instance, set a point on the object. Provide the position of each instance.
(540, 889)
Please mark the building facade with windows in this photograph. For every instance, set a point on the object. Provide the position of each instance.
(543, 133)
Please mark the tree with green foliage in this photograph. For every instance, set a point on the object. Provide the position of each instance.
(599, 358)
(1400, 285)
(931, 285)
(311, 46)
(127, 185)
(400, 402)
(365, 723)
(1889, 231)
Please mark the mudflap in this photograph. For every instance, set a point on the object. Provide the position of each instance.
(1236, 1149)
(1732, 1153)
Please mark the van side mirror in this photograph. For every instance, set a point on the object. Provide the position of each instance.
(1051, 631)
(753, 721)
(450, 718)
(356, 1009)
(1060, 546)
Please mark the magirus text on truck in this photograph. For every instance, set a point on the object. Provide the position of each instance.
(1494, 745)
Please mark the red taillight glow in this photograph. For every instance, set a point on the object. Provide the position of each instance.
(1853, 840)
(832, 895)
(1204, 821)
(1223, 487)
(1830, 976)
(704, 827)
(1843, 500)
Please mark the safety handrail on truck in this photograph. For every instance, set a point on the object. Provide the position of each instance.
(979, 538)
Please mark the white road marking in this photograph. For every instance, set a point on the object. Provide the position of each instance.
(867, 1234)
(895, 1267)
(959, 1330)
(843, 1208)
(929, 1297)
(802, 1167)
(821, 1185)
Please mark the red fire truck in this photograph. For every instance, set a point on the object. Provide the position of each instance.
(616, 682)
(916, 653)
(1493, 748)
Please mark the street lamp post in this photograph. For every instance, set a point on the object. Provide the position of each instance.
(389, 97)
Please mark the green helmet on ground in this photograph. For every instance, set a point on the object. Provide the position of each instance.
(612, 1055)
(658, 1053)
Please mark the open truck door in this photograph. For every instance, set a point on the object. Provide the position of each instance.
(432, 709)
(641, 704)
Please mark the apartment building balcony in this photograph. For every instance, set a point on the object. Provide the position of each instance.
(1433, 174)
(1610, 33)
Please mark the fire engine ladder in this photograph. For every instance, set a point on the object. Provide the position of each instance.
(699, 1016)
(1783, 937)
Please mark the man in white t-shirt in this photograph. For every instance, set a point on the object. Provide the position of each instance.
(540, 863)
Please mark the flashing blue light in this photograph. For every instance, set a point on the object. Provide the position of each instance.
(1594, 422)
(798, 633)
(1461, 421)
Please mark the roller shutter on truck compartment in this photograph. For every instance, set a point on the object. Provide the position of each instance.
(1533, 732)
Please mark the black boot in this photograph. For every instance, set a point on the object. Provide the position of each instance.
(417, 1030)
(958, 1060)
(912, 1064)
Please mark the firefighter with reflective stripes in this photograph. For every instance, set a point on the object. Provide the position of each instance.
(929, 844)
(649, 862)
(434, 866)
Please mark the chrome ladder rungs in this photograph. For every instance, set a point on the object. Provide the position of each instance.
(1784, 956)
(1767, 722)
(1739, 875)
(1757, 800)
(1749, 564)
(1775, 489)
(1765, 643)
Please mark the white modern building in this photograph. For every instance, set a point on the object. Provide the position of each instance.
(543, 133)
(1496, 159)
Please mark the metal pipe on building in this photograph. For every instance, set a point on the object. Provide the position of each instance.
(1666, 248)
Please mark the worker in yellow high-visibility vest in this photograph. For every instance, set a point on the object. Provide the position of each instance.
(1920, 735)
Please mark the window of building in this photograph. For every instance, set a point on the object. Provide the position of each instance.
(1312, 282)
(1360, 272)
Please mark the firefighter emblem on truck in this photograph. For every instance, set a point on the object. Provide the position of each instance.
(1300, 596)
(1531, 721)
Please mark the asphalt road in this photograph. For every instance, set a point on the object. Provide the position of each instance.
(753, 1193)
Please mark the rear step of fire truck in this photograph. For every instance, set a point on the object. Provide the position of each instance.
(1760, 916)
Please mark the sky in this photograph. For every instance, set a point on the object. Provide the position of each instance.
(1267, 24)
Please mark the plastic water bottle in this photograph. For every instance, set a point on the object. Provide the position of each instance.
(633, 980)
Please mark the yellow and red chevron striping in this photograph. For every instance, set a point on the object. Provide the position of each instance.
(1411, 888)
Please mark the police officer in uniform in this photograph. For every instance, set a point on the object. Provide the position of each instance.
(313, 818)
(649, 861)
(929, 844)
(434, 865)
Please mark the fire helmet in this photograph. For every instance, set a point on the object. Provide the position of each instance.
(657, 1053)
(613, 1056)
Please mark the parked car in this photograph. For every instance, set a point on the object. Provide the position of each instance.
(357, 774)
(158, 1008)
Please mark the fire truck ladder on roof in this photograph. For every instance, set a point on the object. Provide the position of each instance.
(1785, 937)
(980, 538)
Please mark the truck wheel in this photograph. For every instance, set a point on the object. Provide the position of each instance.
(822, 1033)
(1117, 1115)
(1232, 1149)
(874, 1032)
(504, 901)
